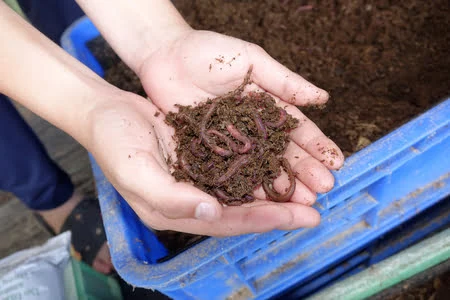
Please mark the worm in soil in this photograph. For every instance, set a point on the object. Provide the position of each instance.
(195, 148)
(219, 150)
(274, 195)
(260, 125)
(281, 120)
(240, 137)
(240, 161)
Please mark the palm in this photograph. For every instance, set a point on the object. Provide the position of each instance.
(203, 65)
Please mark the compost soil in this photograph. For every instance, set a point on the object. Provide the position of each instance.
(382, 61)
(231, 144)
(437, 288)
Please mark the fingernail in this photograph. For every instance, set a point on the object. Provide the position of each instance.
(206, 212)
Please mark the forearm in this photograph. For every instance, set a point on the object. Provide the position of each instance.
(135, 28)
(42, 77)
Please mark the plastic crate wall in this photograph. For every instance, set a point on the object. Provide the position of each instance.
(428, 222)
(378, 189)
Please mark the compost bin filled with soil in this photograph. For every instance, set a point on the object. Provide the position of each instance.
(383, 62)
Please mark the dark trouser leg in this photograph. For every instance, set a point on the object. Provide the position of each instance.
(25, 167)
(51, 17)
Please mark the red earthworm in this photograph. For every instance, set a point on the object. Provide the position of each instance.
(260, 125)
(185, 118)
(304, 8)
(195, 148)
(210, 165)
(204, 135)
(186, 167)
(226, 140)
(235, 202)
(222, 195)
(240, 137)
(281, 120)
(234, 167)
(274, 195)
(249, 197)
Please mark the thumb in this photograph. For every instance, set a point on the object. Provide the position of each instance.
(281, 82)
(175, 200)
(180, 200)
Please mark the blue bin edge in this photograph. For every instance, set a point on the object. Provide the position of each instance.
(357, 180)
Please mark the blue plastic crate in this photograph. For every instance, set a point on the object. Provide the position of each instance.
(379, 188)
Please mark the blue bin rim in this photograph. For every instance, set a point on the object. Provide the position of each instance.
(162, 274)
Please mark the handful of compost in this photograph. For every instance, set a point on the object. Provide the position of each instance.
(231, 144)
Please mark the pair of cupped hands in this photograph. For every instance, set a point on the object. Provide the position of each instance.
(187, 70)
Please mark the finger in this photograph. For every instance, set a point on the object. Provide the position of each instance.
(242, 220)
(163, 193)
(305, 215)
(309, 137)
(302, 194)
(309, 170)
(280, 81)
(102, 261)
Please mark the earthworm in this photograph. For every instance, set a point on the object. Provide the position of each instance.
(260, 125)
(212, 108)
(274, 195)
(204, 135)
(246, 81)
(234, 167)
(240, 88)
(185, 118)
(195, 149)
(210, 165)
(222, 195)
(281, 120)
(304, 8)
(226, 140)
(186, 167)
(240, 137)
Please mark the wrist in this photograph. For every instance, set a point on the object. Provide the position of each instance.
(154, 41)
(138, 28)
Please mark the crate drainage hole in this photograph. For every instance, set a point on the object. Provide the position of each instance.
(256, 251)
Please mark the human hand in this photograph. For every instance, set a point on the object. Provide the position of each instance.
(200, 64)
(131, 142)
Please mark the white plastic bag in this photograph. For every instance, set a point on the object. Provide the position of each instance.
(36, 273)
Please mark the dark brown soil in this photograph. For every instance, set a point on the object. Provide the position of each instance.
(231, 144)
(436, 288)
(116, 72)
